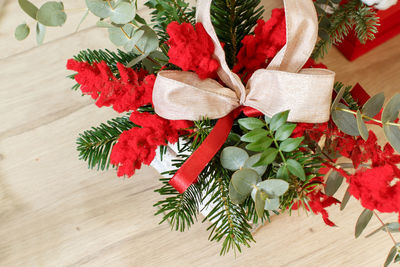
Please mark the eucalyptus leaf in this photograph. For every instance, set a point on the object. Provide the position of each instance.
(274, 187)
(291, 144)
(363, 221)
(99, 8)
(260, 146)
(28, 8)
(374, 105)
(362, 128)
(267, 119)
(284, 131)
(267, 157)
(244, 181)
(333, 183)
(251, 123)
(259, 203)
(51, 14)
(135, 37)
(296, 169)
(338, 97)
(250, 164)
(254, 135)
(391, 111)
(135, 61)
(40, 33)
(82, 19)
(148, 42)
(346, 199)
(278, 120)
(233, 158)
(392, 227)
(21, 32)
(390, 257)
(272, 204)
(123, 13)
(119, 36)
(346, 122)
(235, 196)
(392, 134)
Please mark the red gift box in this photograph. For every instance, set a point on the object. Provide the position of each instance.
(389, 27)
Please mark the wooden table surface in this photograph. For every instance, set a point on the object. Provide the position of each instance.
(56, 212)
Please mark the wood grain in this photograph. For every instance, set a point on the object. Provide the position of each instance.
(56, 212)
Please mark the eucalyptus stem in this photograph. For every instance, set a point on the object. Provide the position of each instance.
(109, 3)
(368, 118)
(385, 226)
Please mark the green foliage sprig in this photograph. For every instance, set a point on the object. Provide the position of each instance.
(334, 26)
(95, 145)
(233, 20)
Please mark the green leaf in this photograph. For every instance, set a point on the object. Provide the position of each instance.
(40, 33)
(260, 145)
(135, 37)
(345, 200)
(362, 128)
(274, 187)
(339, 97)
(28, 8)
(374, 105)
(291, 144)
(284, 131)
(392, 227)
(391, 110)
(118, 37)
(99, 8)
(392, 134)
(282, 173)
(123, 13)
(345, 121)
(267, 157)
(390, 257)
(278, 120)
(51, 14)
(272, 204)
(267, 119)
(363, 221)
(397, 259)
(82, 20)
(250, 164)
(244, 181)
(260, 203)
(233, 158)
(235, 196)
(324, 35)
(148, 42)
(254, 135)
(251, 123)
(296, 169)
(21, 32)
(333, 183)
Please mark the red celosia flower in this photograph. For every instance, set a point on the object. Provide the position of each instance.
(377, 188)
(318, 204)
(269, 37)
(192, 49)
(127, 93)
(133, 148)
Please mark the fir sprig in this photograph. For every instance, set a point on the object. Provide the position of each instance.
(95, 145)
(233, 20)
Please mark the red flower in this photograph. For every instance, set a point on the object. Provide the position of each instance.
(258, 49)
(130, 91)
(377, 188)
(192, 49)
(133, 148)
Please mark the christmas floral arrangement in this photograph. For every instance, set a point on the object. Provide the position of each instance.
(257, 124)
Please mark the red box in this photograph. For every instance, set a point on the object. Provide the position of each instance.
(389, 27)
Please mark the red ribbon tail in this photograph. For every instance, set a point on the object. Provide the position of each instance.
(194, 165)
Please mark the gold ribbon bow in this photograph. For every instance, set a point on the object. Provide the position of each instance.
(283, 85)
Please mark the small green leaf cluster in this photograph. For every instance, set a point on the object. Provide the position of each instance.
(393, 256)
(336, 20)
(50, 14)
(353, 122)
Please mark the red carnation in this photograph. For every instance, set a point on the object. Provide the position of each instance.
(192, 49)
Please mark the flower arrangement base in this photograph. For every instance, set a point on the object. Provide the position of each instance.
(351, 47)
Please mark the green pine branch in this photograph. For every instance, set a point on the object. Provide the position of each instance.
(166, 11)
(333, 28)
(233, 20)
(95, 145)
